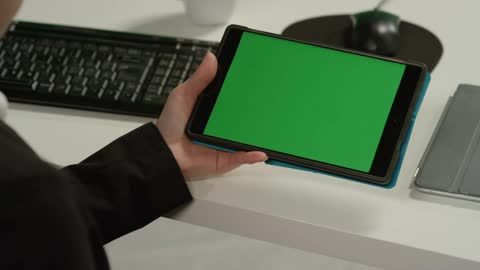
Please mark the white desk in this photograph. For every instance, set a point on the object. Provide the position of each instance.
(169, 244)
(394, 229)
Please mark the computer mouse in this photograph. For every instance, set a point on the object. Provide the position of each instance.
(375, 31)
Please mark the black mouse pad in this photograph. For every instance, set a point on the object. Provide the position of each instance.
(417, 43)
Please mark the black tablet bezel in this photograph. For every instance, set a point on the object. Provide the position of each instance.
(392, 137)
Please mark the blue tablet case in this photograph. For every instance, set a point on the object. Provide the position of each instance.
(403, 149)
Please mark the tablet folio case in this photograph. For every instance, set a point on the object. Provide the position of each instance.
(403, 149)
(450, 165)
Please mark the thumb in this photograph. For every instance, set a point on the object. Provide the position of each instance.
(229, 161)
(203, 75)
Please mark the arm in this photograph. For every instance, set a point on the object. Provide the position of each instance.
(55, 219)
(42, 223)
(139, 177)
(59, 219)
(130, 182)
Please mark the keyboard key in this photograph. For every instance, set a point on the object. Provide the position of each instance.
(104, 48)
(119, 50)
(154, 99)
(76, 91)
(39, 49)
(168, 56)
(106, 66)
(106, 75)
(195, 65)
(148, 53)
(96, 83)
(38, 66)
(44, 88)
(156, 79)
(57, 69)
(60, 43)
(134, 52)
(25, 47)
(132, 75)
(62, 79)
(60, 89)
(130, 87)
(89, 72)
(110, 94)
(90, 46)
(174, 81)
(42, 58)
(74, 70)
(167, 89)
(139, 60)
(198, 58)
(89, 63)
(91, 93)
(200, 51)
(161, 71)
(9, 60)
(176, 73)
(180, 64)
(44, 42)
(78, 81)
(55, 51)
(87, 54)
(126, 96)
(42, 77)
(74, 45)
(116, 85)
(164, 63)
(153, 88)
(76, 55)
(183, 58)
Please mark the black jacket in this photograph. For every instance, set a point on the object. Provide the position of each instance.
(60, 219)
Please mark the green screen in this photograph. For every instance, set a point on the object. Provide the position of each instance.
(312, 102)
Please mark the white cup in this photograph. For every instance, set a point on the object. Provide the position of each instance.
(209, 12)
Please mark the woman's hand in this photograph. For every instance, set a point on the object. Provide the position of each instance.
(194, 160)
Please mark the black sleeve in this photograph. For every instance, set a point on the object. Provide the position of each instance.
(53, 219)
(131, 182)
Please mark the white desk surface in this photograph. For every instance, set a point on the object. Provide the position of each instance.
(302, 208)
(169, 244)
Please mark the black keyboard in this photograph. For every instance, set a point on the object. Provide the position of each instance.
(94, 69)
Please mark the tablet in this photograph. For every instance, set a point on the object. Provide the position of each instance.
(335, 110)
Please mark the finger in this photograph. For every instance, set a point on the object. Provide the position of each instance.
(203, 75)
(229, 161)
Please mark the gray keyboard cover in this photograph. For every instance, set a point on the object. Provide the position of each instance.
(451, 163)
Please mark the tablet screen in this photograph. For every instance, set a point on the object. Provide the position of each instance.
(307, 101)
